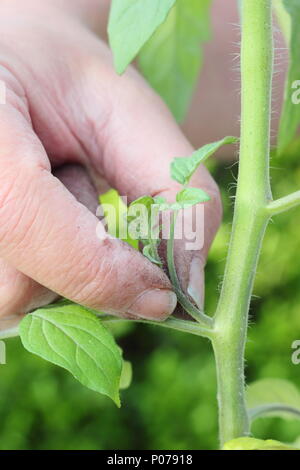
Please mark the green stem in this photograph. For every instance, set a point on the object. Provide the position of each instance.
(11, 333)
(284, 204)
(250, 217)
(172, 323)
(195, 313)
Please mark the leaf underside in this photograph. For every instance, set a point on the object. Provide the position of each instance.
(172, 58)
(189, 197)
(131, 24)
(183, 168)
(72, 337)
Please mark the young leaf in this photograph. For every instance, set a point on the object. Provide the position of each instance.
(146, 225)
(191, 196)
(250, 443)
(187, 197)
(71, 337)
(131, 24)
(116, 221)
(273, 397)
(183, 168)
(172, 58)
(290, 118)
(161, 203)
(146, 201)
(139, 218)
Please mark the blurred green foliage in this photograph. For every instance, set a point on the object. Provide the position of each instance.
(171, 403)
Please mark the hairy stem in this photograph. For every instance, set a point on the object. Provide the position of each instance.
(284, 204)
(250, 217)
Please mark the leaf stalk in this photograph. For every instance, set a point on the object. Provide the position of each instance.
(284, 204)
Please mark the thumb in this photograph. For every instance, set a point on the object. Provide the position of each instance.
(136, 150)
(46, 234)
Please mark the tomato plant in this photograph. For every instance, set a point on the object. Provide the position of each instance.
(165, 36)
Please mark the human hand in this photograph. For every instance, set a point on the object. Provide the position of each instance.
(66, 105)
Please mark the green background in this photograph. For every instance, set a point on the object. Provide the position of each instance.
(171, 403)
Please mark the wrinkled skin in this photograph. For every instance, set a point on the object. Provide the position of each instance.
(72, 126)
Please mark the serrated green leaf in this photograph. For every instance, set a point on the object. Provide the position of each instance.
(71, 337)
(139, 218)
(145, 225)
(183, 168)
(273, 397)
(290, 117)
(172, 58)
(126, 376)
(187, 197)
(131, 24)
(116, 221)
(250, 443)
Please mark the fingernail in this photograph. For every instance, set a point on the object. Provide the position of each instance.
(196, 282)
(155, 304)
